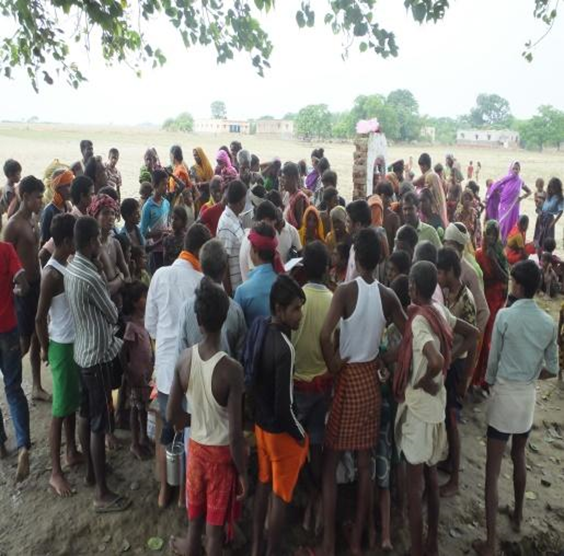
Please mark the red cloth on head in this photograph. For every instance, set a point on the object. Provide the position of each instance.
(265, 243)
(439, 327)
(100, 202)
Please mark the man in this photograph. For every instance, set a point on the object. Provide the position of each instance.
(21, 231)
(426, 251)
(170, 287)
(353, 423)
(60, 184)
(410, 211)
(96, 171)
(424, 357)
(154, 218)
(57, 342)
(330, 201)
(460, 302)
(234, 148)
(13, 280)
(215, 206)
(282, 444)
(254, 294)
(230, 232)
(524, 350)
(456, 236)
(391, 220)
(217, 468)
(96, 352)
(312, 381)
(424, 163)
(407, 240)
(395, 177)
(87, 151)
(358, 218)
(113, 175)
(214, 263)
(289, 242)
(265, 212)
(13, 173)
(455, 175)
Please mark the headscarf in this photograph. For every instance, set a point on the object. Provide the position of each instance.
(227, 170)
(319, 231)
(338, 213)
(493, 225)
(452, 233)
(376, 209)
(58, 181)
(433, 183)
(265, 243)
(204, 170)
(102, 201)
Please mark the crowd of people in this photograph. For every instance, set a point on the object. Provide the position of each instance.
(251, 304)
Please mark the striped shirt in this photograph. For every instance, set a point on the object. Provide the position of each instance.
(231, 233)
(93, 313)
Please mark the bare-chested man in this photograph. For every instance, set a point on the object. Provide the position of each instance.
(87, 151)
(22, 231)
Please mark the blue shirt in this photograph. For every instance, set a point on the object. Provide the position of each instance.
(524, 341)
(254, 295)
(154, 216)
(553, 206)
(137, 231)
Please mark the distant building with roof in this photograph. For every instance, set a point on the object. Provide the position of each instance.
(496, 138)
(275, 127)
(222, 126)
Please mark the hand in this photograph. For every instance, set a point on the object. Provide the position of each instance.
(337, 363)
(427, 385)
(44, 355)
(243, 487)
(384, 375)
(462, 388)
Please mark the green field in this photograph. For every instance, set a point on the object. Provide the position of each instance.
(36, 145)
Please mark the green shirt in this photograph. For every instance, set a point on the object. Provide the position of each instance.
(309, 359)
(428, 233)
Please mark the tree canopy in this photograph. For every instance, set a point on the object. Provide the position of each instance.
(44, 31)
(218, 110)
(546, 127)
(314, 122)
(491, 111)
(183, 122)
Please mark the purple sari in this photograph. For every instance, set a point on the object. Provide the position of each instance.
(502, 202)
(311, 180)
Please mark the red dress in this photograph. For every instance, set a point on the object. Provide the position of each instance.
(496, 294)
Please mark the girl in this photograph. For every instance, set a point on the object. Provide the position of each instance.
(312, 227)
(138, 265)
(468, 215)
(137, 357)
(338, 233)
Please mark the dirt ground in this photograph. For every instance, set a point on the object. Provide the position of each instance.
(33, 521)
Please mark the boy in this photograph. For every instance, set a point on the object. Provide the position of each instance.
(460, 302)
(419, 388)
(60, 185)
(282, 443)
(11, 363)
(57, 343)
(22, 232)
(523, 350)
(173, 243)
(131, 214)
(154, 218)
(13, 173)
(113, 175)
(217, 468)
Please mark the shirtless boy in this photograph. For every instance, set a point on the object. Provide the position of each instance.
(22, 232)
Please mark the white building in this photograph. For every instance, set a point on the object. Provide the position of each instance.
(275, 127)
(428, 133)
(222, 126)
(500, 138)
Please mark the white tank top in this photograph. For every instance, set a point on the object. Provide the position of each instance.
(210, 423)
(361, 332)
(61, 325)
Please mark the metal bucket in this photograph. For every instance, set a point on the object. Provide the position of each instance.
(175, 462)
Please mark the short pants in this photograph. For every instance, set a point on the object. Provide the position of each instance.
(167, 432)
(311, 412)
(26, 309)
(96, 396)
(280, 459)
(494, 434)
(384, 447)
(66, 379)
(139, 397)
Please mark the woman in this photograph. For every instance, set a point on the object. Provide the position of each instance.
(495, 268)
(338, 233)
(502, 200)
(427, 212)
(312, 227)
(433, 184)
(468, 215)
(376, 205)
(313, 177)
(202, 170)
(297, 199)
(517, 248)
(225, 168)
(152, 163)
(550, 214)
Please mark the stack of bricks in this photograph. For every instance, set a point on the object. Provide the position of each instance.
(360, 156)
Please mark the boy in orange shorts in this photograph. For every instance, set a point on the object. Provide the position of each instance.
(282, 444)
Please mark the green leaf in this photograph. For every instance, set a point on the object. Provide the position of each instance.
(419, 12)
(363, 47)
(300, 19)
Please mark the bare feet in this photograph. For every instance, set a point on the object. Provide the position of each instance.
(448, 490)
(40, 395)
(179, 546)
(164, 497)
(138, 452)
(348, 531)
(387, 545)
(445, 466)
(3, 451)
(111, 503)
(482, 548)
(90, 479)
(432, 547)
(60, 485)
(514, 520)
(22, 471)
(147, 447)
(74, 458)
(112, 443)
(181, 502)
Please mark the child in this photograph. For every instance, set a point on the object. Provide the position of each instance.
(339, 262)
(173, 242)
(475, 188)
(13, 173)
(468, 215)
(398, 263)
(137, 356)
(113, 175)
(145, 191)
(138, 265)
(131, 214)
(540, 195)
(549, 279)
(186, 201)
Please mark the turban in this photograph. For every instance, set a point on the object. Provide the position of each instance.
(100, 202)
(265, 243)
(338, 213)
(452, 233)
(64, 178)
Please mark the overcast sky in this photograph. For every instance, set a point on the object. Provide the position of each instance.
(476, 48)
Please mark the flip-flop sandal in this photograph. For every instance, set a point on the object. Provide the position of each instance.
(119, 504)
